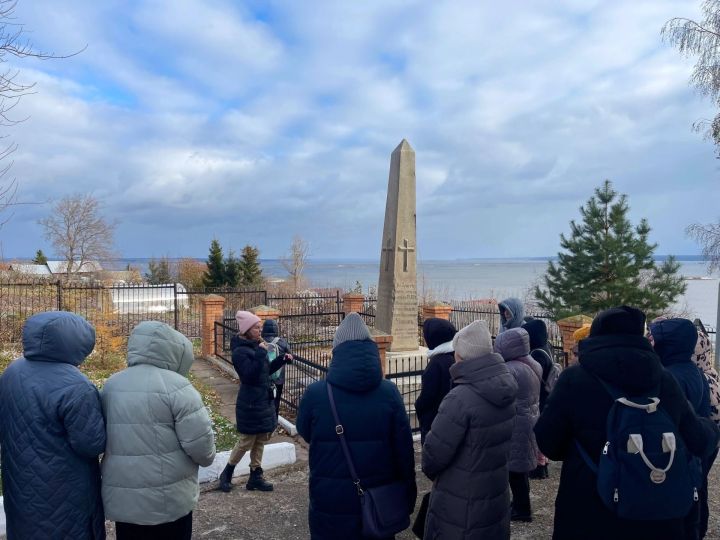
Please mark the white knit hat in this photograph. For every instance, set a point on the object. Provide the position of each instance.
(473, 341)
(352, 328)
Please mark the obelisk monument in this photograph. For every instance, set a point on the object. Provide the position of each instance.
(397, 306)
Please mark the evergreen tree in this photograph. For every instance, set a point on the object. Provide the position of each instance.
(233, 275)
(40, 257)
(158, 271)
(608, 263)
(215, 273)
(250, 271)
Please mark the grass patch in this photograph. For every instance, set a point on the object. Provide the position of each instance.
(225, 432)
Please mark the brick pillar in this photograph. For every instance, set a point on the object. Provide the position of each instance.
(353, 302)
(266, 312)
(212, 308)
(567, 328)
(436, 311)
(383, 342)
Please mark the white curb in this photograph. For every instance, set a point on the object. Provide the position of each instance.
(275, 455)
(3, 531)
(288, 426)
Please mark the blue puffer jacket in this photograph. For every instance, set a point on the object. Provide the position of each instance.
(674, 342)
(51, 432)
(376, 429)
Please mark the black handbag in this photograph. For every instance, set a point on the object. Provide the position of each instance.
(384, 509)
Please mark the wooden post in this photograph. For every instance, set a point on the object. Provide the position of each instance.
(212, 308)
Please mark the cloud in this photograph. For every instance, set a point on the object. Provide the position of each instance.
(257, 121)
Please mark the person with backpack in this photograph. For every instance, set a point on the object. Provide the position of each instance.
(375, 427)
(514, 347)
(255, 415)
(436, 380)
(619, 372)
(277, 347)
(541, 351)
(158, 435)
(674, 341)
(512, 313)
(466, 451)
(51, 433)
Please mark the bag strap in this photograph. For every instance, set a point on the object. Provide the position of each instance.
(340, 431)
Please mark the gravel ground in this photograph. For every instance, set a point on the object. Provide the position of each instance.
(282, 514)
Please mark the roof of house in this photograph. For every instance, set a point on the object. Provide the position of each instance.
(60, 267)
(33, 269)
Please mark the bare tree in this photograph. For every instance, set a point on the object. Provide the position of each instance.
(708, 236)
(294, 262)
(78, 232)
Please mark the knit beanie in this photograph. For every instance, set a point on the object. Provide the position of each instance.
(618, 320)
(473, 341)
(581, 333)
(437, 331)
(245, 321)
(352, 328)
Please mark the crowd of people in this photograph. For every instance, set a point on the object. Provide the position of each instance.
(633, 419)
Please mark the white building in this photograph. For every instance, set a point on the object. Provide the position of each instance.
(148, 298)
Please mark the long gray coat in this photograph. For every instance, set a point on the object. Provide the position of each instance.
(514, 346)
(465, 453)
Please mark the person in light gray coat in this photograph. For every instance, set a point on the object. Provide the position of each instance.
(514, 347)
(465, 453)
(512, 314)
(158, 433)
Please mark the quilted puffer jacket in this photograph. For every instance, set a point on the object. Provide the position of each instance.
(158, 431)
(51, 432)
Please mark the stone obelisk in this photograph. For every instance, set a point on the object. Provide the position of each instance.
(397, 306)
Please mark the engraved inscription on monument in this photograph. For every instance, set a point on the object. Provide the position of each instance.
(397, 309)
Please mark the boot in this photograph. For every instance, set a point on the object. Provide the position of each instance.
(256, 481)
(226, 478)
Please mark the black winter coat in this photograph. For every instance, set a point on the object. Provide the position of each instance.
(255, 405)
(577, 409)
(52, 432)
(436, 383)
(377, 431)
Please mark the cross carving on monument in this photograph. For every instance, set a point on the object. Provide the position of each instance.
(389, 250)
(405, 248)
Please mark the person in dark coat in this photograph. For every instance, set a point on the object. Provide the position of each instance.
(674, 341)
(540, 351)
(255, 405)
(618, 353)
(376, 427)
(466, 451)
(280, 347)
(52, 432)
(512, 314)
(436, 380)
(514, 347)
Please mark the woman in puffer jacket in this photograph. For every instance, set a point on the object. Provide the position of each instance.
(158, 434)
(514, 346)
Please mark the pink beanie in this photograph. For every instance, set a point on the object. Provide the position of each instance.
(245, 321)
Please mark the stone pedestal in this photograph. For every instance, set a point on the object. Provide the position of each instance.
(266, 312)
(436, 311)
(353, 302)
(211, 311)
(567, 328)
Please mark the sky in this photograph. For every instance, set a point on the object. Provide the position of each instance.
(255, 121)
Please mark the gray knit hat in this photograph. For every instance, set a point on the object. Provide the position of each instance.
(473, 341)
(352, 328)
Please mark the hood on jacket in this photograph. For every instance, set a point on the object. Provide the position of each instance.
(513, 343)
(270, 330)
(58, 336)
(626, 361)
(355, 366)
(674, 340)
(537, 332)
(489, 377)
(515, 306)
(156, 344)
(437, 331)
(618, 320)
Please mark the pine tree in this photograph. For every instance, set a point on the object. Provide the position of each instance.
(158, 271)
(250, 271)
(40, 257)
(606, 263)
(215, 273)
(233, 277)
